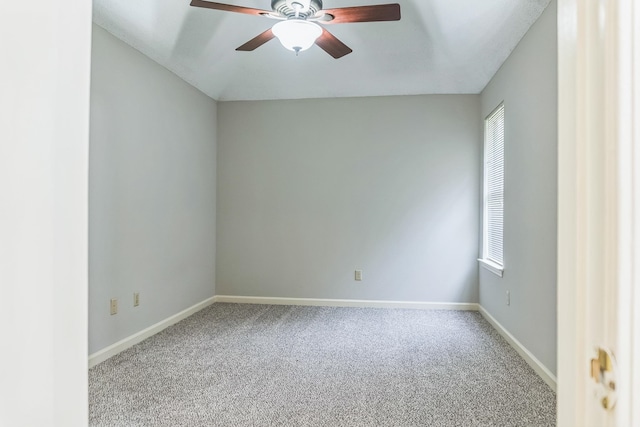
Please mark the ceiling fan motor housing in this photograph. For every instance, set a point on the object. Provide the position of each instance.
(307, 8)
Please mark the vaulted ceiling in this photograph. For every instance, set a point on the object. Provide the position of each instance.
(439, 46)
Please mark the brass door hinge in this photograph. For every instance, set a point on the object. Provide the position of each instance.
(603, 371)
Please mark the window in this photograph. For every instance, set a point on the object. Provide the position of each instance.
(493, 215)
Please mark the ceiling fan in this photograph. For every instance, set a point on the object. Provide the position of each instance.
(298, 28)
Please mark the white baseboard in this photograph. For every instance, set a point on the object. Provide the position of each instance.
(113, 349)
(537, 366)
(348, 303)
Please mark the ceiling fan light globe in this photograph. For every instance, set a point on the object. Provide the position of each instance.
(296, 34)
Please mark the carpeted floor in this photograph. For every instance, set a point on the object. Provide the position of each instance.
(262, 365)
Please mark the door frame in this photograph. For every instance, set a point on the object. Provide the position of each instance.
(598, 205)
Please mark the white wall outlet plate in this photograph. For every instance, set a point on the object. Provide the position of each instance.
(136, 299)
(114, 306)
(358, 276)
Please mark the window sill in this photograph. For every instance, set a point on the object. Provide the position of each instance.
(496, 269)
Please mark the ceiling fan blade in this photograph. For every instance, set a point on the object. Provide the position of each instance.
(229, 7)
(330, 44)
(375, 13)
(257, 41)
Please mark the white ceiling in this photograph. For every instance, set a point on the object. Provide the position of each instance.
(439, 46)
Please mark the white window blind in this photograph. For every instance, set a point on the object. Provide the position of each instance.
(494, 187)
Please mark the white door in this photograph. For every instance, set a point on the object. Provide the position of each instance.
(599, 211)
(44, 141)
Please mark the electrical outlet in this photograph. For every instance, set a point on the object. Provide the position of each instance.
(508, 298)
(114, 306)
(358, 276)
(136, 299)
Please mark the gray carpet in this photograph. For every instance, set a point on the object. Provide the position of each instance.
(262, 365)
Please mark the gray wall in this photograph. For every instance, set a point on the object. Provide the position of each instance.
(152, 181)
(310, 190)
(527, 82)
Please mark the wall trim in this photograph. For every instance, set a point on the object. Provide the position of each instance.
(322, 302)
(110, 351)
(537, 366)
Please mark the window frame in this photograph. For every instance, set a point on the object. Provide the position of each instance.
(495, 266)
